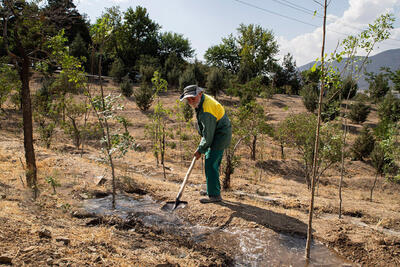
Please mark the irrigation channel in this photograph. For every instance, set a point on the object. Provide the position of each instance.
(248, 247)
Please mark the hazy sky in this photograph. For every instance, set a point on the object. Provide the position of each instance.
(297, 30)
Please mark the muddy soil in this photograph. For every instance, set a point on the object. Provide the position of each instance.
(269, 193)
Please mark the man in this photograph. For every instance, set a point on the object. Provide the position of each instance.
(215, 128)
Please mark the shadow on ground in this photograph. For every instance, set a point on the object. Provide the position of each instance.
(288, 169)
(272, 220)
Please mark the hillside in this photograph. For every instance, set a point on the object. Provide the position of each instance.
(261, 222)
(388, 59)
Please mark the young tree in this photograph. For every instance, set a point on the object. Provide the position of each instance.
(157, 129)
(378, 86)
(9, 81)
(389, 108)
(215, 81)
(363, 145)
(359, 112)
(254, 123)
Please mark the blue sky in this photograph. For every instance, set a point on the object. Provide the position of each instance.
(295, 28)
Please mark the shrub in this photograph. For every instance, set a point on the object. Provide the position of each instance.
(389, 109)
(187, 112)
(144, 96)
(215, 81)
(117, 70)
(330, 111)
(146, 72)
(363, 145)
(126, 87)
(188, 78)
(349, 88)
(309, 95)
(359, 112)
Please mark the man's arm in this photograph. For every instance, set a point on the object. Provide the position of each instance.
(209, 123)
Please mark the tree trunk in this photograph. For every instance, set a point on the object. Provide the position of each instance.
(31, 171)
(316, 148)
(373, 186)
(108, 137)
(253, 148)
(282, 154)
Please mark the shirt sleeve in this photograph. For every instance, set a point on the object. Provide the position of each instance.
(209, 123)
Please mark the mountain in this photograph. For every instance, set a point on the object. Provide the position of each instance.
(388, 58)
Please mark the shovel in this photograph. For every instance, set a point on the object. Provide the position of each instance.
(172, 205)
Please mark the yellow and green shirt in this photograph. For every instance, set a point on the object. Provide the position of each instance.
(213, 125)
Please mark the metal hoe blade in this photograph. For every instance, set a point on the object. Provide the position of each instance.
(173, 205)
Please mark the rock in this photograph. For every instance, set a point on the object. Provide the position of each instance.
(5, 259)
(26, 250)
(63, 240)
(81, 214)
(3, 196)
(99, 180)
(84, 195)
(44, 233)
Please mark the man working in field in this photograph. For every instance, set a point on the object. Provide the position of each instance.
(215, 128)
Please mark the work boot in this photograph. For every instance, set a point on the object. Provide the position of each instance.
(211, 199)
(203, 193)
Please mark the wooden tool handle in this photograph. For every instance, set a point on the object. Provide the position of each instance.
(186, 178)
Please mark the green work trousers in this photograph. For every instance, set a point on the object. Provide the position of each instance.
(212, 164)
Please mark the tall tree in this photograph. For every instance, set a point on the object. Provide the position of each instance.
(175, 43)
(138, 36)
(250, 54)
(24, 36)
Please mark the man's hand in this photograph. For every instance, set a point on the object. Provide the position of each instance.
(197, 154)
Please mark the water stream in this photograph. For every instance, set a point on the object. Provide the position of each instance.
(247, 246)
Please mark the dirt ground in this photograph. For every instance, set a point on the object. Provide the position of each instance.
(269, 193)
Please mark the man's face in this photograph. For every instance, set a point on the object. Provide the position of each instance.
(194, 101)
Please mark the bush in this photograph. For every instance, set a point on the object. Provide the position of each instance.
(330, 111)
(363, 145)
(215, 81)
(187, 112)
(147, 72)
(349, 88)
(117, 70)
(310, 96)
(144, 96)
(126, 87)
(359, 112)
(173, 77)
(187, 78)
(389, 109)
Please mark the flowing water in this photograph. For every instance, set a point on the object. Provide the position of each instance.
(247, 246)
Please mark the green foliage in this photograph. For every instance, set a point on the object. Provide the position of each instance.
(310, 96)
(298, 131)
(46, 112)
(349, 88)
(389, 108)
(215, 81)
(157, 129)
(75, 125)
(378, 86)
(188, 78)
(252, 123)
(126, 87)
(9, 80)
(359, 112)
(117, 70)
(53, 182)
(363, 145)
(225, 55)
(330, 110)
(170, 42)
(287, 75)
(144, 96)
(78, 48)
(378, 159)
(146, 72)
